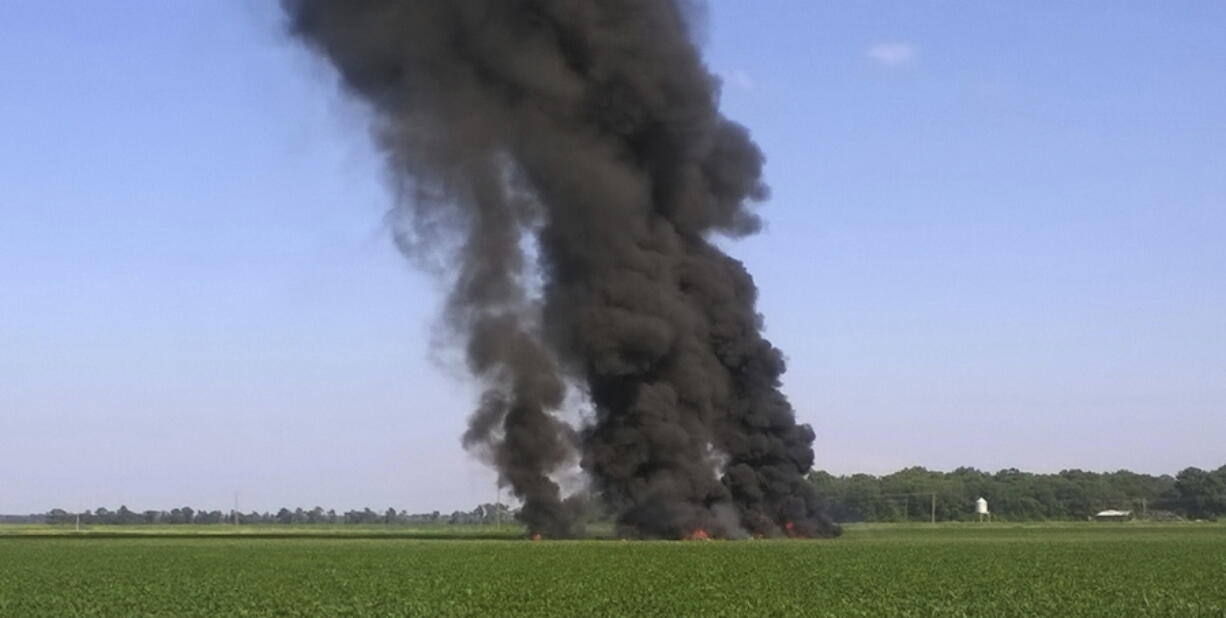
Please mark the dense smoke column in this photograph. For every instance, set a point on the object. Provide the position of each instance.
(445, 141)
(592, 128)
(512, 424)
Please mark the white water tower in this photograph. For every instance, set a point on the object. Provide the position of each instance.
(981, 508)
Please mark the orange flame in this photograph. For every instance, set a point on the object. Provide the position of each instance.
(699, 535)
(536, 536)
(792, 532)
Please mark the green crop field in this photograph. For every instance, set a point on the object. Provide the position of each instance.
(1175, 570)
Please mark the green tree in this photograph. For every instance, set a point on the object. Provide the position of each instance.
(1201, 494)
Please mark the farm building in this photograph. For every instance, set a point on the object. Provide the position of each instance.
(1113, 515)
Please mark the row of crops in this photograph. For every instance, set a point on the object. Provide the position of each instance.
(870, 572)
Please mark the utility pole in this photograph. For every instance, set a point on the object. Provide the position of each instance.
(78, 522)
(934, 508)
(234, 513)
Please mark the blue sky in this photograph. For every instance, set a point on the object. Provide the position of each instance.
(995, 239)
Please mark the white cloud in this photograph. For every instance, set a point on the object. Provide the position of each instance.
(892, 54)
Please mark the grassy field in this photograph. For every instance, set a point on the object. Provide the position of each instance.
(433, 531)
(1050, 570)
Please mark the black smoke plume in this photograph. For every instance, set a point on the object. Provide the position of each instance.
(569, 156)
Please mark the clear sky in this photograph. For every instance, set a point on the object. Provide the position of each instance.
(997, 238)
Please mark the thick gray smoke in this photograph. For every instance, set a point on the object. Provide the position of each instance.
(570, 157)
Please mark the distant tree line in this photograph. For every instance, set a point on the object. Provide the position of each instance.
(907, 495)
(483, 514)
(22, 519)
(1013, 495)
